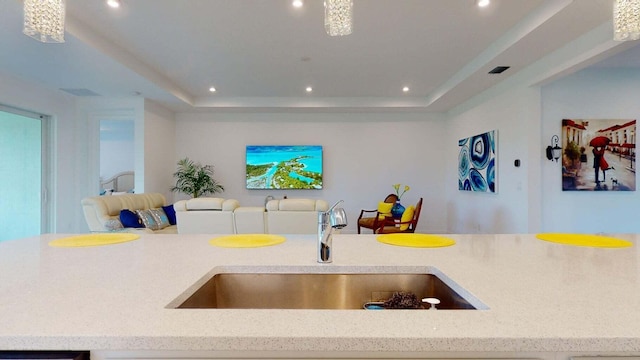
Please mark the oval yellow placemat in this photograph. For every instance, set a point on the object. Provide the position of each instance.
(415, 240)
(93, 240)
(584, 240)
(247, 240)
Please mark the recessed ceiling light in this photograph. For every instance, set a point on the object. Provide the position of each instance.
(309, 89)
(297, 3)
(113, 3)
(405, 89)
(212, 89)
(483, 3)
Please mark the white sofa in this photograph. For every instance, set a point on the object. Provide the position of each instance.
(100, 210)
(220, 216)
(205, 215)
(250, 220)
(294, 216)
(210, 215)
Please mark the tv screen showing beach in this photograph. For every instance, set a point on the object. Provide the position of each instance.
(284, 167)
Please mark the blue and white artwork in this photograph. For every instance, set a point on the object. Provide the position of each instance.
(477, 162)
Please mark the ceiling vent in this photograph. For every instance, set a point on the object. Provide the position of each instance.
(81, 92)
(499, 69)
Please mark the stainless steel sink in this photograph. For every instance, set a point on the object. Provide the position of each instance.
(257, 290)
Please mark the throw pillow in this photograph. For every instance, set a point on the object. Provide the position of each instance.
(147, 219)
(129, 219)
(113, 225)
(407, 216)
(160, 217)
(384, 208)
(171, 213)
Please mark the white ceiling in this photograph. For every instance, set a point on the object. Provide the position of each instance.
(262, 54)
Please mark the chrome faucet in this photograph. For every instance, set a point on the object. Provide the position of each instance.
(334, 218)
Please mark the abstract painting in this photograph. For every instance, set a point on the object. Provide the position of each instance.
(598, 154)
(477, 162)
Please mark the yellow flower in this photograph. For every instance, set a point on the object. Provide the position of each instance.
(397, 188)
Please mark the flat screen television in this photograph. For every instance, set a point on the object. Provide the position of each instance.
(284, 167)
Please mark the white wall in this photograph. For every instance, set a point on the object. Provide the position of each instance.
(364, 154)
(116, 157)
(589, 94)
(514, 208)
(69, 140)
(159, 149)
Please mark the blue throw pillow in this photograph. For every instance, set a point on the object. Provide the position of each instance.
(129, 219)
(171, 213)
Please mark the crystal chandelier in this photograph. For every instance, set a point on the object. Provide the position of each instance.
(44, 20)
(626, 20)
(338, 17)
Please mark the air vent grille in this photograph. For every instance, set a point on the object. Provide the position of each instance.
(499, 69)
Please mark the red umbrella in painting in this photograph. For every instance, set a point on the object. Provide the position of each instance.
(599, 141)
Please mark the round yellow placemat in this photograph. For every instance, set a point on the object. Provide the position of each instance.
(93, 240)
(247, 240)
(416, 240)
(584, 240)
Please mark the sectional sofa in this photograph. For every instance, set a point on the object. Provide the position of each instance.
(226, 216)
(207, 215)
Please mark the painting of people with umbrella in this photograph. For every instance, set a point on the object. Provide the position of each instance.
(609, 166)
(599, 143)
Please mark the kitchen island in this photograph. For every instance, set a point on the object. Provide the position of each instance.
(544, 300)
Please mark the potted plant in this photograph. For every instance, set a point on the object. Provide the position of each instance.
(195, 179)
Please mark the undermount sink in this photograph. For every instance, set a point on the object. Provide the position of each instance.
(305, 290)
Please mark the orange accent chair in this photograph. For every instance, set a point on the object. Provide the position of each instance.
(373, 219)
(407, 223)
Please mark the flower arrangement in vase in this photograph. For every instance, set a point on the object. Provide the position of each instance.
(397, 210)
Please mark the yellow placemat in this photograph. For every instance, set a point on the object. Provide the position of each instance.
(247, 240)
(416, 240)
(584, 240)
(93, 240)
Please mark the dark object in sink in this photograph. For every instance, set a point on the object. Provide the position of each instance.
(403, 300)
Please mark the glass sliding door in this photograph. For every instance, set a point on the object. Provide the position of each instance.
(21, 177)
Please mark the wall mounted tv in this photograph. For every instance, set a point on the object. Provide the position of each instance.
(284, 167)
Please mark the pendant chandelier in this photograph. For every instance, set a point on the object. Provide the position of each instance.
(626, 20)
(44, 20)
(338, 17)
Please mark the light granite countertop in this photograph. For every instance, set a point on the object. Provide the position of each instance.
(542, 297)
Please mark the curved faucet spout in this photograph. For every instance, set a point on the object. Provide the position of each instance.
(334, 218)
(334, 206)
